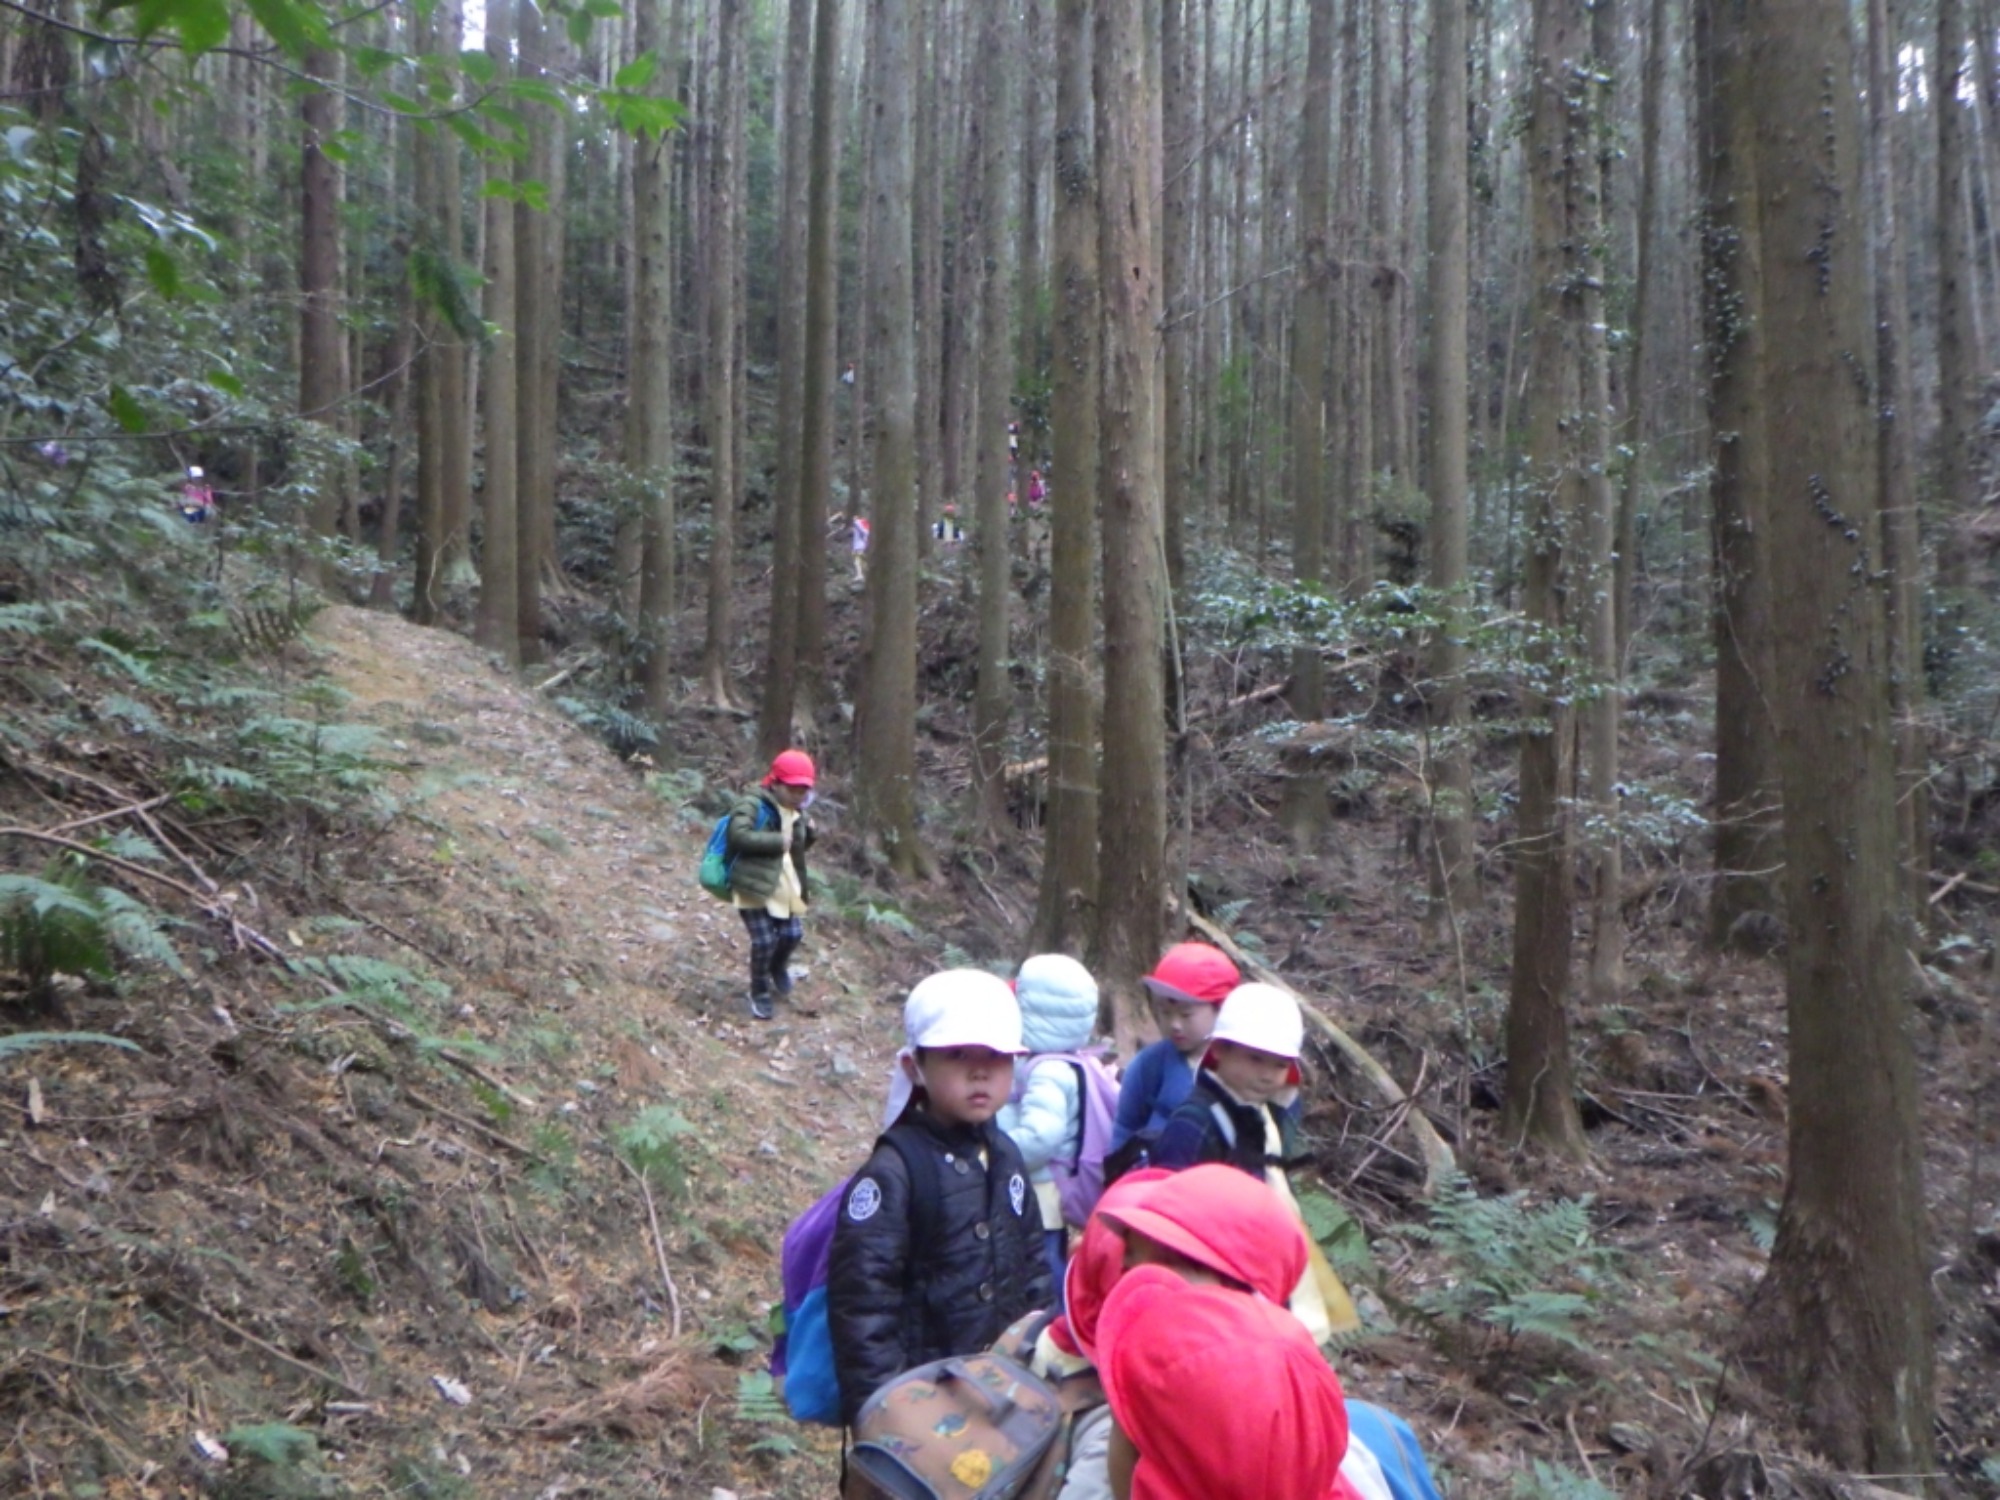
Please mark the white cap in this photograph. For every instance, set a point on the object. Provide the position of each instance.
(963, 1008)
(194, 471)
(1261, 1016)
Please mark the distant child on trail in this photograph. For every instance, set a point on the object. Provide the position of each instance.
(1187, 986)
(938, 1243)
(1243, 1111)
(1044, 1117)
(769, 834)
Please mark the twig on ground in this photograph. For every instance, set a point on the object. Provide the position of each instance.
(659, 1243)
(269, 1348)
(484, 1131)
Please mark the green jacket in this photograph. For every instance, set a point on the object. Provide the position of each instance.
(758, 851)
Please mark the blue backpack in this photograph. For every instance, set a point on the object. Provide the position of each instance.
(718, 865)
(1395, 1447)
(802, 1353)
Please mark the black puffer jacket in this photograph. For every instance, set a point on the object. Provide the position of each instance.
(923, 1270)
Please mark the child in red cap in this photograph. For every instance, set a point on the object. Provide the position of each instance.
(1189, 983)
(1233, 1246)
(769, 834)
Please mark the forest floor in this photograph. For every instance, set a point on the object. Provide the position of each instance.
(430, 1228)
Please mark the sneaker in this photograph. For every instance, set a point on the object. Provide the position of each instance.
(760, 1007)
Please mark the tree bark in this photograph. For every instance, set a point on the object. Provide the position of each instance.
(1306, 813)
(498, 627)
(1452, 874)
(885, 719)
(781, 647)
(1066, 909)
(1743, 898)
(723, 256)
(322, 347)
(649, 410)
(539, 244)
(1131, 907)
(1954, 267)
(1901, 546)
(992, 538)
(1843, 1325)
(816, 431)
(1539, 1109)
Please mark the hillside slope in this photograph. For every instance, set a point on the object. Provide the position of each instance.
(315, 1211)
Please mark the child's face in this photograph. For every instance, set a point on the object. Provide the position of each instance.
(1254, 1077)
(790, 796)
(966, 1085)
(1185, 1023)
(1142, 1251)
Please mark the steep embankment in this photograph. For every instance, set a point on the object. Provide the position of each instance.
(381, 1223)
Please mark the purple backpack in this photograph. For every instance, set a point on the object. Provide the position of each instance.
(1080, 1181)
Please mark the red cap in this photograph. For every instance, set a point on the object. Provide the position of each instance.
(1222, 1218)
(792, 767)
(1171, 1353)
(1193, 971)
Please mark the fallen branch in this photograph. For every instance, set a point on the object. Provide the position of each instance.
(486, 1132)
(1439, 1163)
(659, 1242)
(339, 1382)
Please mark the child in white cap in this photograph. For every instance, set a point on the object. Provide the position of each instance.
(1244, 1111)
(938, 1246)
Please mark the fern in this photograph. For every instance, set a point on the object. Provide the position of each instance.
(651, 1144)
(134, 929)
(1513, 1267)
(759, 1404)
(139, 671)
(51, 926)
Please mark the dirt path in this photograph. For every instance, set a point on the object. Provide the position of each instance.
(561, 890)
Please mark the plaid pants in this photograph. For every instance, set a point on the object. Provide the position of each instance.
(772, 940)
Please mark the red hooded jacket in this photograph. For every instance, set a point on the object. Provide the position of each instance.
(1223, 1393)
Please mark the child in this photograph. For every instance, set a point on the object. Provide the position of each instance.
(1058, 1000)
(1243, 1111)
(1211, 1226)
(1190, 981)
(859, 546)
(769, 834)
(938, 1244)
(1208, 1254)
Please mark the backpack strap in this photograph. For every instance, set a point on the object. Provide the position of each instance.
(921, 1168)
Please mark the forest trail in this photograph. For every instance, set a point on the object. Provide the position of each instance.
(562, 888)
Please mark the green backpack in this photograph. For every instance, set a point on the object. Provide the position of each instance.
(718, 865)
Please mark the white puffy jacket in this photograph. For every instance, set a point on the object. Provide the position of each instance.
(1058, 1001)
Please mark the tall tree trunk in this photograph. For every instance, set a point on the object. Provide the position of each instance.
(429, 263)
(1131, 907)
(886, 713)
(1652, 87)
(400, 357)
(1176, 268)
(928, 224)
(719, 384)
(452, 559)
(1066, 909)
(1954, 274)
(993, 696)
(1743, 899)
(322, 348)
(816, 431)
(1031, 263)
(538, 243)
(499, 574)
(1901, 548)
(1540, 1106)
(1843, 1323)
(1452, 876)
(1306, 813)
(774, 721)
(649, 407)
(1602, 709)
